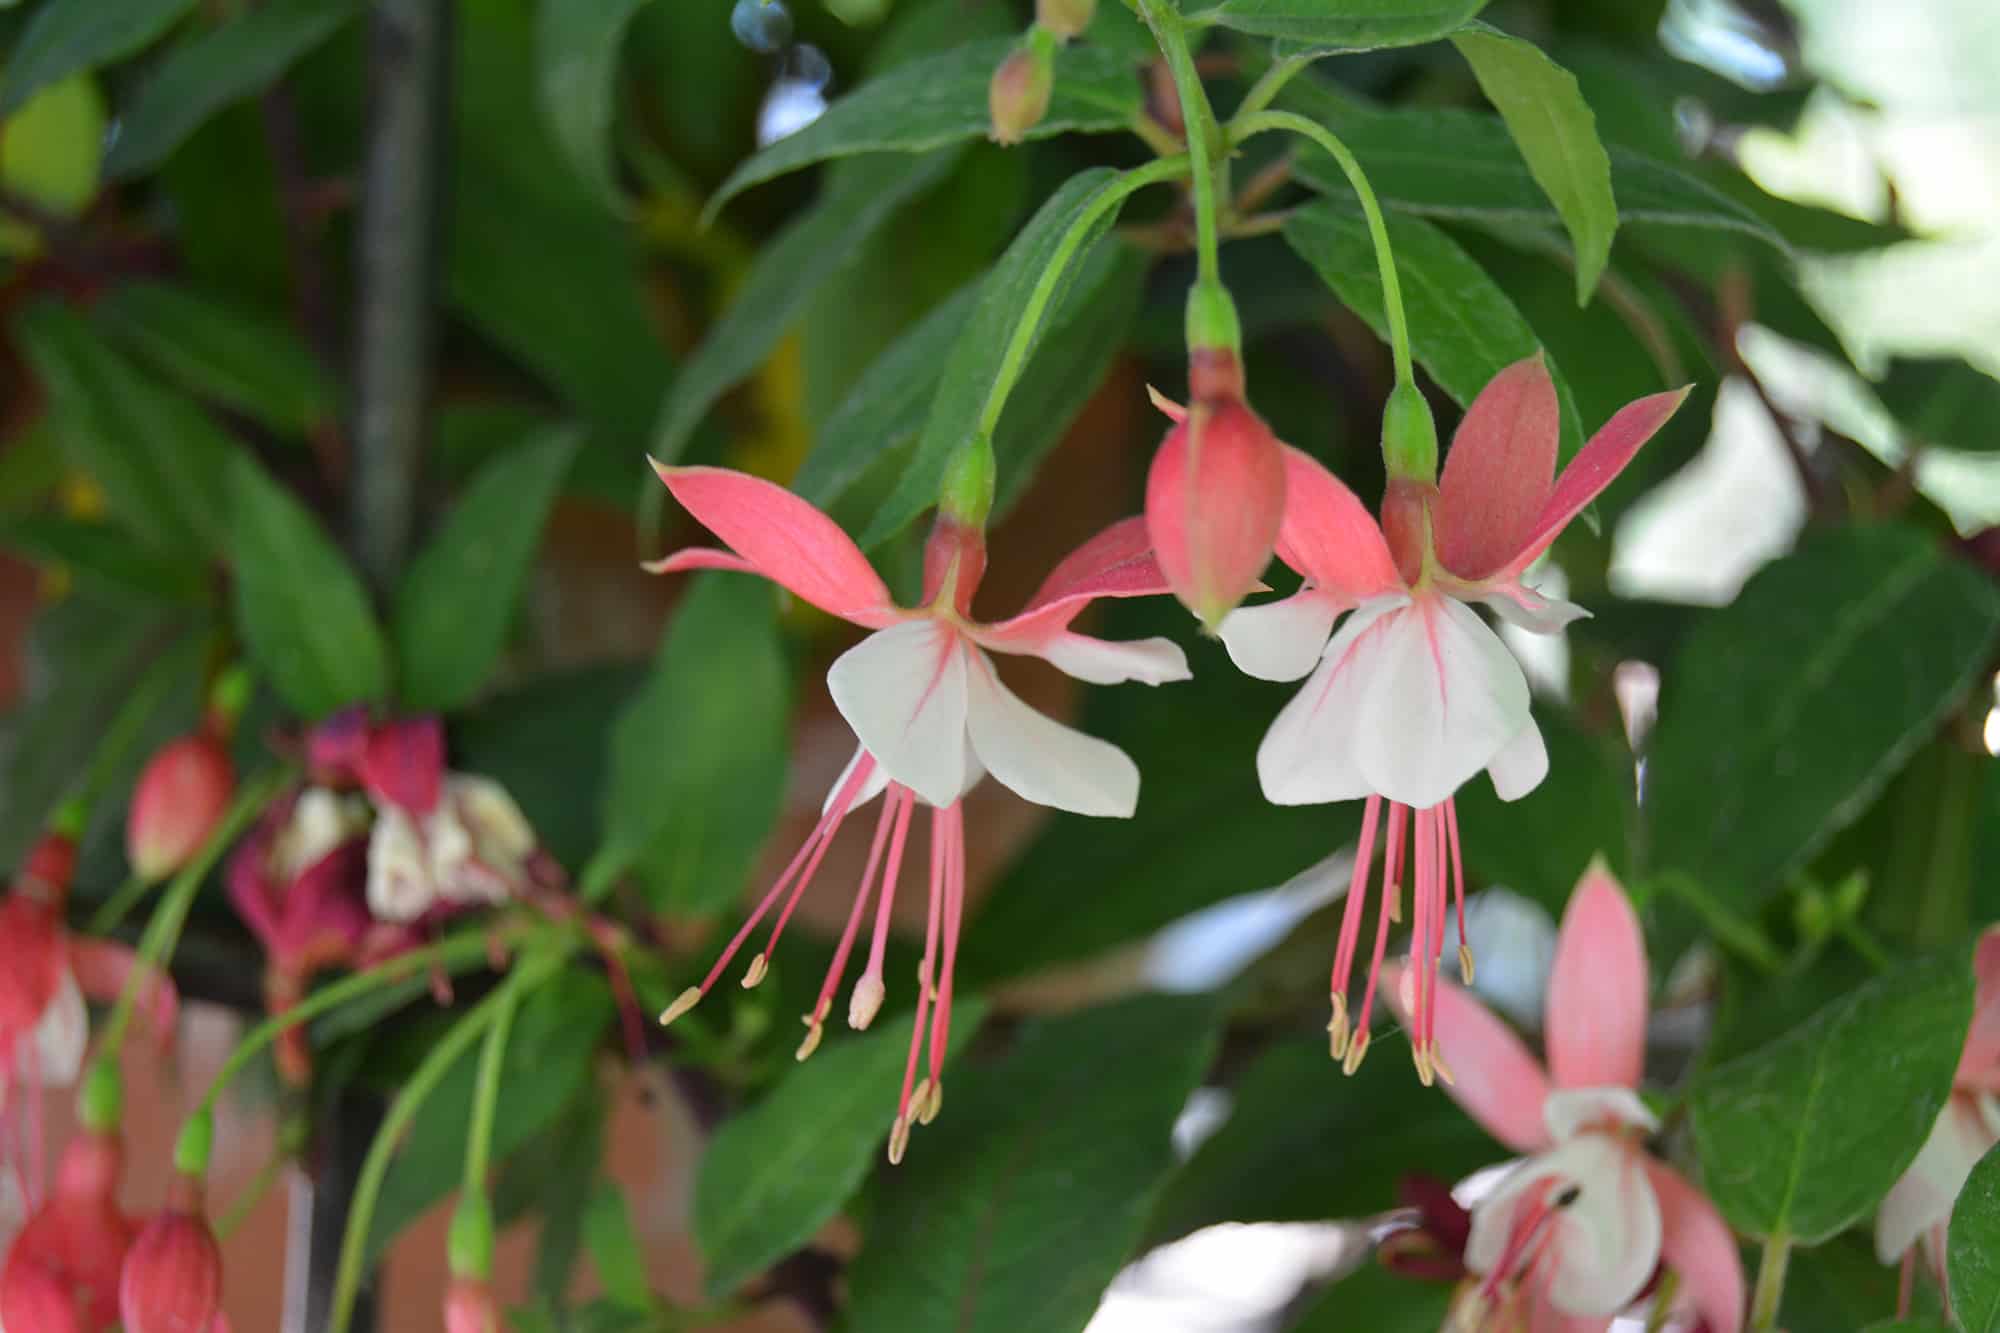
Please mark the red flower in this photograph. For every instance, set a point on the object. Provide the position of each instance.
(172, 1279)
(181, 796)
(61, 1274)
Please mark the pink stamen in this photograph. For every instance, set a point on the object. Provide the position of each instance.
(1420, 944)
(954, 903)
(1525, 1241)
(925, 972)
(1381, 934)
(891, 804)
(1457, 871)
(1392, 857)
(1357, 894)
(879, 946)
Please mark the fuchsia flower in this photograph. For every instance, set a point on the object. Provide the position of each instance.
(61, 1272)
(1415, 694)
(1575, 1233)
(1919, 1206)
(171, 1281)
(45, 973)
(932, 716)
(181, 796)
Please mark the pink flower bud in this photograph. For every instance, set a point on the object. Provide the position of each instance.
(469, 1307)
(182, 795)
(172, 1279)
(1065, 18)
(403, 764)
(1018, 97)
(1214, 500)
(62, 1270)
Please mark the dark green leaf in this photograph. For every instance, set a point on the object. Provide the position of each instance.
(1785, 713)
(202, 75)
(548, 1060)
(1801, 1138)
(1463, 328)
(698, 759)
(787, 272)
(1285, 1153)
(941, 100)
(458, 596)
(1034, 1185)
(223, 353)
(1344, 25)
(1374, 1300)
(1912, 1326)
(553, 1175)
(1557, 134)
(304, 615)
(774, 1175)
(159, 459)
(614, 1248)
(577, 65)
(1974, 1249)
(1462, 164)
(105, 554)
(1841, 1285)
(67, 37)
(977, 357)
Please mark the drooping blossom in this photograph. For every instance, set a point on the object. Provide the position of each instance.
(1415, 694)
(61, 1272)
(932, 717)
(469, 1307)
(1573, 1234)
(182, 794)
(45, 975)
(1915, 1212)
(171, 1281)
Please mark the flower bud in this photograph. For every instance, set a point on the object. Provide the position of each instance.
(469, 1307)
(62, 1270)
(172, 1279)
(1064, 19)
(1018, 97)
(1214, 500)
(403, 764)
(182, 795)
(1409, 436)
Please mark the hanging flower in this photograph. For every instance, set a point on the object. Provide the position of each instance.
(1415, 694)
(45, 974)
(171, 1281)
(182, 794)
(1577, 1230)
(474, 846)
(1918, 1208)
(933, 718)
(61, 1272)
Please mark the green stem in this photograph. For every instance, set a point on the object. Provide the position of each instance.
(1265, 91)
(1016, 355)
(1171, 34)
(486, 1094)
(415, 1091)
(163, 933)
(1245, 127)
(1734, 931)
(115, 908)
(449, 953)
(1859, 940)
(1770, 1289)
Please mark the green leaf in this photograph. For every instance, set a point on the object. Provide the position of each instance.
(1464, 165)
(787, 272)
(773, 1176)
(941, 100)
(1841, 1285)
(1913, 1326)
(547, 1065)
(1270, 1161)
(977, 358)
(105, 554)
(1463, 329)
(50, 155)
(304, 615)
(1786, 713)
(1374, 1300)
(458, 596)
(158, 457)
(553, 1176)
(68, 37)
(698, 759)
(576, 45)
(1557, 135)
(1344, 25)
(1801, 1138)
(203, 74)
(1974, 1249)
(223, 353)
(614, 1247)
(1034, 1185)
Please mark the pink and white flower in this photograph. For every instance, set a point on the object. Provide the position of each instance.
(933, 719)
(1919, 1206)
(1573, 1235)
(1414, 694)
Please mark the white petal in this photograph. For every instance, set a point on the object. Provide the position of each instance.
(876, 783)
(1569, 1111)
(1521, 765)
(1602, 1245)
(1520, 605)
(1280, 640)
(1442, 698)
(489, 812)
(1107, 662)
(400, 887)
(1924, 1196)
(61, 1034)
(1307, 757)
(902, 690)
(1040, 759)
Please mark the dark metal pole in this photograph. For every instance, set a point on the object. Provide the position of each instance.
(319, 1205)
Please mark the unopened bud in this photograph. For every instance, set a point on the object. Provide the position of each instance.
(469, 1245)
(182, 794)
(1409, 436)
(1018, 97)
(1215, 499)
(172, 1278)
(1064, 19)
(469, 1307)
